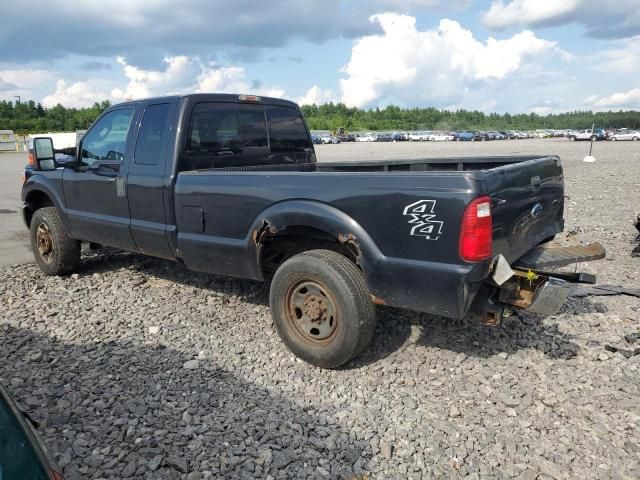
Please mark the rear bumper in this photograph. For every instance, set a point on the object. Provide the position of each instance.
(550, 296)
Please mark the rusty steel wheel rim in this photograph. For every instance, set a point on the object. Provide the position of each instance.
(312, 312)
(44, 242)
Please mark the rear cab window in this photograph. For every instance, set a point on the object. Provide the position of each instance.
(237, 134)
(151, 135)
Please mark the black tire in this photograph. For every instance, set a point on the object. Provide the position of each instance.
(614, 139)
(572, 139)
(635, 139)
(593, 138)
(56, 253)
(334, 301)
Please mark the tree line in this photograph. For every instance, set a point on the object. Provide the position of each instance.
(331, 116)
(31, 117)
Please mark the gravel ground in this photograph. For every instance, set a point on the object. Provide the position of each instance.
(137, 368)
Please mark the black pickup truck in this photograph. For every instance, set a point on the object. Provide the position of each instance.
(229, 184)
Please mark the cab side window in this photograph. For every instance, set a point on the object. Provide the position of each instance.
(107, 139)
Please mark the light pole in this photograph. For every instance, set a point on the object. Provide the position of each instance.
(18, 97)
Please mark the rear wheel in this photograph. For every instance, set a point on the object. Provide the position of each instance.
(593, 138)
(614, 139)
(55, 252)
(635, 139)
(321, 308)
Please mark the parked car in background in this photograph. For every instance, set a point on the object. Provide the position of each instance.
(329, 139)
(385, 137)
(346, 137)
(315, 139)
(484, 136)
(420, 136)
(465, 136)
(399, 136)
(633, 135)
(441, 137)
(367, 137)
(587, 134)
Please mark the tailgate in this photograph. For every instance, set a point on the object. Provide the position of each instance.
(527, 200)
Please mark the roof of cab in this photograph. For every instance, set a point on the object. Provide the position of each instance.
(213, 97)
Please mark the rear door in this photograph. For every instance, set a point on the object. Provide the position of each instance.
(95, 191)
(527, 200)
(147, 181)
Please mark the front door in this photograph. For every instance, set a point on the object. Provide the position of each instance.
(95, 191)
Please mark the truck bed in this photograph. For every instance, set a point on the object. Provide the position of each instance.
(220, 213)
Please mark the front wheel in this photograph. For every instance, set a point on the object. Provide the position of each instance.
(572, 139)
(594, 138)
(321, 308)
(635, 139)
(55, 252)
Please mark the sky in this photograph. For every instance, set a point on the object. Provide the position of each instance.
(541, 56)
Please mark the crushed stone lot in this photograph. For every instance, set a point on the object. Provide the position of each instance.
(138, 368)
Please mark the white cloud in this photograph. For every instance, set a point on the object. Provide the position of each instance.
(624, 58)
(316, 96)
(182, 75)
(408, 66)
(176, 78)
(618, 101)
(78, 95)
(601, 18)
(231, 80)
(524, 12)
(22, 81)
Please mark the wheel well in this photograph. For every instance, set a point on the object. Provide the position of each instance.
(36, 200)
(276, 247)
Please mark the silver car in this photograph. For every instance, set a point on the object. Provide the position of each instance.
(625, 135)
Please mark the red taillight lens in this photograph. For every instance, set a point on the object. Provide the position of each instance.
(31, 160)
(476, 234)
(53, 475)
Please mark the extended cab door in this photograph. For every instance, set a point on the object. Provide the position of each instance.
(95, 190)
(148, 180)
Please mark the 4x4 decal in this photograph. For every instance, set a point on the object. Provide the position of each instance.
(422, 221)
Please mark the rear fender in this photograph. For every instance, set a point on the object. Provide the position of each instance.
(318, 216)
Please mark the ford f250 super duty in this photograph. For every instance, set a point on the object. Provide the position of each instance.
(229, 184)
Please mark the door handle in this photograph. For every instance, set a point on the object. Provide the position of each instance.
(536, 183)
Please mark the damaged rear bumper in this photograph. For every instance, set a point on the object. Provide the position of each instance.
(526, 285)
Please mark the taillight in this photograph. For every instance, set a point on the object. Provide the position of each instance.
(476, 234)
(53, 475)
(31, 159)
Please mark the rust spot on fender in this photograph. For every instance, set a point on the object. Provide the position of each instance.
(351, 241)
(376, 300)
(265, 229)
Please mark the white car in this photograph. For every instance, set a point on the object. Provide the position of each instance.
(419, 136)
(584, 134)
(441, 137)
(327, 139)
(367, 137)
(625, 135)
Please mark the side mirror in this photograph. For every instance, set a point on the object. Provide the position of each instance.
(43, 154)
